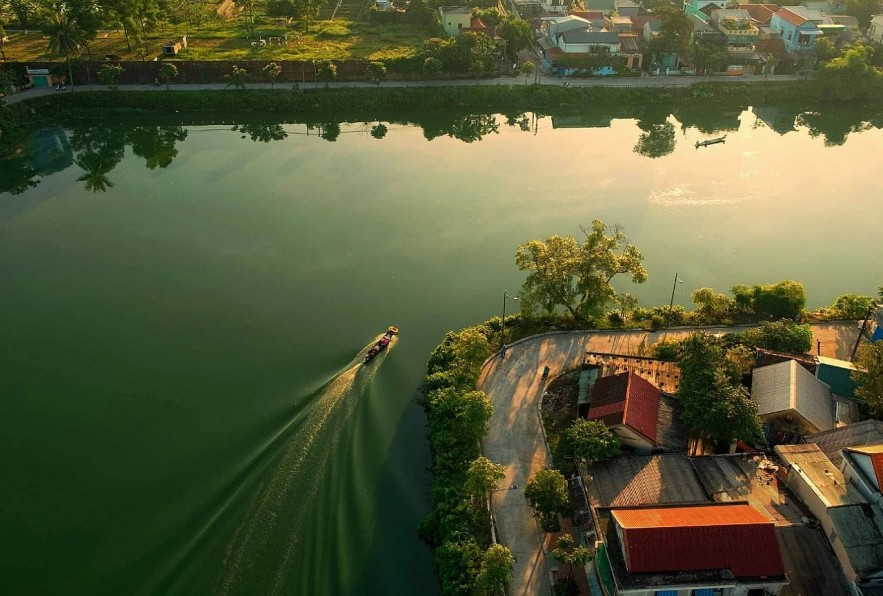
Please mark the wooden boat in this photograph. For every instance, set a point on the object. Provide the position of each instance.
(381, 343)
(708, 142)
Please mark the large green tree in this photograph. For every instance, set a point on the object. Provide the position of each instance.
(675, 32)
(850, 76)
(576, 276)
(714, 407)
(780, 336)
(546, 492)
(517, 34)
(785, 299)
(869, 377)
(592, 440)
(69, 26)
(483, 477)
(862, 10)
(495, 571)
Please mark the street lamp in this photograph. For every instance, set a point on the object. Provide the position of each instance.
(503, 332)
(674, 285)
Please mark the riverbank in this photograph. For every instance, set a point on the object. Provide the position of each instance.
(387, 102)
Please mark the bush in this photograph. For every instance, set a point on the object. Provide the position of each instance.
(666, 350)
(779, 336)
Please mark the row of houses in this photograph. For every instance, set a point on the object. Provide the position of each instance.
(805, 518)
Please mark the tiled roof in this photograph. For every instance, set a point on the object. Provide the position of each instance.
(691, 538)
(776, 47)
(591, 37)
(629, 480)
(639, 21)
(787, 386)
(790, 17)
(867, 432)
(809, 564)
(626, 399)
(762, 13)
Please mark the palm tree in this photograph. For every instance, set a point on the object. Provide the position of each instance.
(65, 36)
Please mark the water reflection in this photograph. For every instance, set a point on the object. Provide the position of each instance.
(98, 148)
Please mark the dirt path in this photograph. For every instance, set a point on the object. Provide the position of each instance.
(515, 438)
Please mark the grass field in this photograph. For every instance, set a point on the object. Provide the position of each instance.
(222, 39)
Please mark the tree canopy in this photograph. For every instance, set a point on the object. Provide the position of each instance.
(483, 477)
(576, 276)
(714, 407)
(850, 76)
(869, 377)
(546, 492)
(495, 571)
(592, 440)
(675, 31)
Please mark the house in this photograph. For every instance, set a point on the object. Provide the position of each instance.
(831, 442)
(476, 25)
(626, 8)
(875, 31)
(862, 467)
(630, 50)
(699, 7)
(837, 374)
(638, 23)
(39, 78)
(791, 400)
(629, 405)
(737, 27)
(595, 17)
(847, 519)
(455, 18)
(690, 549)
(761, 14)
(589, 42)
(554, 27)
(798, 32)
(618, 24)
(554, 6)
(775, 56)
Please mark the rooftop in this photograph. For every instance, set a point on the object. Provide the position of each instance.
(867, 432)
(809, 565)
(860, 535)
(871, 457)
(591, 37)
(791, 17)
(661, 373)
(761, 13)
(630, 480)
(625, 398)
(750, 478)
(821, 473)
(699, 538)
(788, 387)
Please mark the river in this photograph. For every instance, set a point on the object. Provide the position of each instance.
(184, 302)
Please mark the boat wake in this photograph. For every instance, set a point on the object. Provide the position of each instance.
(259, 553)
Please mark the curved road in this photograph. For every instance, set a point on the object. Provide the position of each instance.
(515, 438)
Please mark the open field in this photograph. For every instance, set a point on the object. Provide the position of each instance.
(225, 40)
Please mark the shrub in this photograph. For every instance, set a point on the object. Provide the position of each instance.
(780, 336)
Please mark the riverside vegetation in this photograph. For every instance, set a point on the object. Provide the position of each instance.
(715, 406)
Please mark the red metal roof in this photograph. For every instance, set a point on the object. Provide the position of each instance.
(762, 13)
(626, 399)
(731, 536)
(638, 22)
(589, 15)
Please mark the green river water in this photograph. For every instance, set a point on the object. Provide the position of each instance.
(183, 304)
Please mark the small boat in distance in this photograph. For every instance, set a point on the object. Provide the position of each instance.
(708, 142)
(381, 343)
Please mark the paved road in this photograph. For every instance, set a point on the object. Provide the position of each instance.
(645, 81)
(515, 439)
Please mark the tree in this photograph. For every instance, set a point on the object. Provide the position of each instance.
(109, 74)
(517, 34)
(562, 547)
(527, 69)
(850, 76)
(432, 68)
(851, 306)
(483, 477)
(377, 71)
(825, 49)
(546, 492)
(272, 72)
(785, 299)
(307, 11)
(576, 275)
(167, 72)
(327, 71)
(675, 32)
(262, 132)
(156, 144)
(592, 440)
(709, 58)
(238, 77)
(470, 411)
(495, 571)
(657, 140)
(862, 10)
(869, 377)
(23, 10)
(379, 130)
(66, 37)
(780, 336)
(713, 407)
(458, 566)
(712, 306)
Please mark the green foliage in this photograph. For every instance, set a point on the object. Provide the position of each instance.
(666, 349)
(272, 72)
(850, 306)
(377, 71)
(675, 32)
(709, 58)
(459, 54)
(851, 76)
(327, 71)
(527, 69)
(657, 140)
(517, 34)
(825, 49)
(546, 492)
(483, 477)
(779, 336)
(238, 77)
(496, 571)
(711, 306)
(862, 10)
(167, 73)
(869, 377)
(458, 567)
(785, 299)
(576, 275)
(713, 407)
(592, 440)
(432, 68)
(109, 73)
